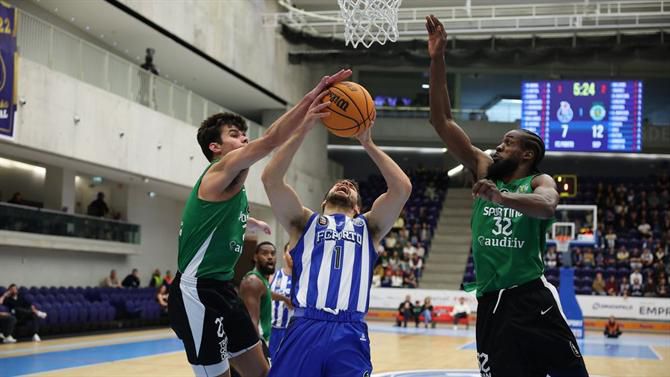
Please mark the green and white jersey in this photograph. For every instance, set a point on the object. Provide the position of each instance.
(507, 246)
(211, 235)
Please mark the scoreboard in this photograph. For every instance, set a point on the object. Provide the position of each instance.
(584, 116)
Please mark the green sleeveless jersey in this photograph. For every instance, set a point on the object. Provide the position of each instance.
(211, 235)
(265, 320)
(507, 246)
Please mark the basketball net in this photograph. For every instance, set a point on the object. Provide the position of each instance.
(369, 21)
(562, 243)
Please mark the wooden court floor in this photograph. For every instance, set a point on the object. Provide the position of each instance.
(391, 351)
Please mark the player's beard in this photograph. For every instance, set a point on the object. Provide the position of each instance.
(502, 168)
(340, 201)
(266, 270)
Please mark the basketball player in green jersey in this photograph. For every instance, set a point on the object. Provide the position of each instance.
(521, 329)
(255, 289)
(205, 311)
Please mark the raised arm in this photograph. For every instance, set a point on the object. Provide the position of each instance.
(540, 204)
(457, 141)
(223, 173)
(387, 206)
(285, 203)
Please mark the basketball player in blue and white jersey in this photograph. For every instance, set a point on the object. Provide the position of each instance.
(282, 309)
(333, 257)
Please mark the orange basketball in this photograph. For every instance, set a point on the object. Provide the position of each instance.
(352, 109)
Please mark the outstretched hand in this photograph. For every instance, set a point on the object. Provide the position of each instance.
(437, 36)
(327, 81)
(365, 137)
(317, 110)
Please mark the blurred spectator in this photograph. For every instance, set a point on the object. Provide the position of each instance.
(636, 288)
(420, 250)
(550, 257)
(111, 281)
(405, 309)
(588, 259)
(409, 250)
(377, 276)
(662, 288)
(24, 311)
(167, 279)
(132, 280)
(390, 240)
(403, 265)
(156, 279)
(7, 323)
(660, 254)
(635, 261)
(650, 287)
(383, 259)
(425, 234)
(409, 280)
(610, 286)
(147, 92)
(599, 285)
(98, 207)
(577, 257)
(427, 311)
(416, 266)
(647, 258)
(416, 312)
(430, 193)
(624, 287)
(664, 199)
(162, 298)
(622, 257)
(400, 222)
(612, 329)
(387, 280)
(394, 262)
(636, 275)
(653, 200)
(461, 311)
(600, 259)
(397, 279)
(17, 198)
(644, 228)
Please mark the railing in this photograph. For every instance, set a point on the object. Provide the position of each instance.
(59, 50)
(489, 19)
(20, 218)
(424, 112)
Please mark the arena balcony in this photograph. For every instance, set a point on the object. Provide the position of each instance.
(27, 226)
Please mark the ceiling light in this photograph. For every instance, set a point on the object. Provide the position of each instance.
(456, 170)
(88, 27)
(72, 19)
(145, 180)
(151, 194)
(425, 86)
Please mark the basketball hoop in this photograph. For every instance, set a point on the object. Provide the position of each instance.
(369, 21)
(562, 243)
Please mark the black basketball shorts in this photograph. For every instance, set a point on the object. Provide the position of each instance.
(212, 322)
(521, 331)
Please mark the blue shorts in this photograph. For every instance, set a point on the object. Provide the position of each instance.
(276, 337)
(323, 347)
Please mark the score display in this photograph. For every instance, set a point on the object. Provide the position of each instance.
(584, 116)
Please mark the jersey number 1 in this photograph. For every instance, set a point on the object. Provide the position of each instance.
(337, 263)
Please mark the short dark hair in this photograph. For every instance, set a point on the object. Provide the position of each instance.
(534, 142)
(358, 191)
(11, 286)
(258, 247)
(210, 130)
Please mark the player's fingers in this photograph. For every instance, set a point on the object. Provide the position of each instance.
(475, 188)
(319, 98)
(429, 25)
(322, 115)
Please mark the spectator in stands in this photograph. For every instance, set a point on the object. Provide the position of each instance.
(400, 221)
(24, 311)
(612, 329)
(636, 288)
(663, 181)
(621, 227)
(462, 310)
(644, 228)
(659, 255)
(7, 323)
(588, 258)
(409, 280)
(425, 233)
(624, 287)
(598, 286)
(430, 193)
(600, 259)
(403, 265)
(620, 209)
(377, 276)
(416, 266)
(405, 309)
(650, 287)
(577, 257)
(111, 281)
(394, 261)
(156, 279)
(132, 280)
(664, 199)
(397, 279)
(653, 200)
(384, 258)
(421, 250)
(636, 275)
(162, 298)
(17, 198)
(167, 279)
(427, 311)
(550, 257)
(622, 257)
(416, 312)
(610, 286)
(390, 240)
(610, 237)
(647, 258)
(98, 207)
(630, 197)
(635, 261)
(409, 250)
(387, 280)
(662, 288)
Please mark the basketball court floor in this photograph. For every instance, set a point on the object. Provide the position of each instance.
(395, 352)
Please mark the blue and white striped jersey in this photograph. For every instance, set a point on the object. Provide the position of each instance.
(281, 283)
(333, 263)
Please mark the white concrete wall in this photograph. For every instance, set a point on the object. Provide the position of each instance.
(231, 32)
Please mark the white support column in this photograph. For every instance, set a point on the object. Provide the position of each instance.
(59, 189)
